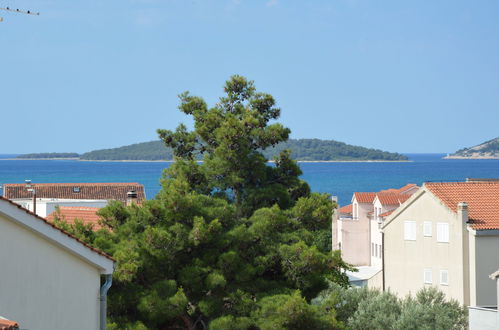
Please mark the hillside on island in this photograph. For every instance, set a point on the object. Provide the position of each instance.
(488, 149)
(49, 155)
(302, 149)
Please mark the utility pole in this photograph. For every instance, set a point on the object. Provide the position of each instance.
(28, 12)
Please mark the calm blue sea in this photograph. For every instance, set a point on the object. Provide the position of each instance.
(340, 179)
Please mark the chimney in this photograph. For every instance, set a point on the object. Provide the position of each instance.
(462, 212)
(131, 197)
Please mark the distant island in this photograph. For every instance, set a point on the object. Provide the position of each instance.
(49, 155)
(302, 150)
(486, 150)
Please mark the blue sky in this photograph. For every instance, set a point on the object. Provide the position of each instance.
(405, 76)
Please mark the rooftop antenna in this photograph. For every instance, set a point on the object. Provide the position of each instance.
(19, 11)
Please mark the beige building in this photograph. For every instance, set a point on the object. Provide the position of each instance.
(49, 279)
(446, 235)
(356, 227)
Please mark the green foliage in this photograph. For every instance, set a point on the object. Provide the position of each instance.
(302, 149)
(228, 241)
(42, 155)
(291, 311)
(487, 148)
(363, 308)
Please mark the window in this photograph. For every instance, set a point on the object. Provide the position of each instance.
(410, 230)
(76, 189)
(427, 276)
(442, 232)
(427, 229)
(444, 277)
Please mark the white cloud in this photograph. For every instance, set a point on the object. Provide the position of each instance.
(272, 3)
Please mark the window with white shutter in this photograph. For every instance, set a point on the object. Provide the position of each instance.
(444, 277)
(427, 276)
(442, 232)
(427, 228)
(410, 230)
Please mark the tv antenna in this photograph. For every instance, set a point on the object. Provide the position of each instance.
(19, 11)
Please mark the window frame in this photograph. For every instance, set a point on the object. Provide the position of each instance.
(443, 236)
(427, 229)
(446, 272)
(410, 235)
(427, 271)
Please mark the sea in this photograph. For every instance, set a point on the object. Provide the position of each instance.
(339, 179)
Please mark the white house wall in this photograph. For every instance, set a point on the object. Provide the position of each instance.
(43, 286)
(405, 261)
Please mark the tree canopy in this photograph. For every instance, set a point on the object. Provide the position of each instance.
(232, 242)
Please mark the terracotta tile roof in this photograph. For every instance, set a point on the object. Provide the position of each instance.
(88, 215)
(391, 198)
(8, 325)
(388, 198)
(385, 214)
(482, 198)
(406, 187)
(61, 230)
(117, 191)
(345, 209)
(364, 197)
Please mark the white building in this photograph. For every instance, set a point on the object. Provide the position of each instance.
(49, 279)
(446, 235)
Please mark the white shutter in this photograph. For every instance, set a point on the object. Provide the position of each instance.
(442, 232)
(444, 277)
(427, 278)
(410, 230)
(427, 226)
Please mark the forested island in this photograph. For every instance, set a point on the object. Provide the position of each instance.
(486, 150)
(302, 149)
(49, 155)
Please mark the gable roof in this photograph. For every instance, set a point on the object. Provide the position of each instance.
(88, 215)
(345, 209)
(56, 235)
(116, 191)
(482, 199)
(364, 197)
(392, 198)
(407, 187)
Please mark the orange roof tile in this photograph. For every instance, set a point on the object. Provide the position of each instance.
(385, 214)
(61, 230)
(388, 198)
(8, 325)
(392, 199)
(482, 199)
(406, 187)
(117, 191)
(364, 197)
(345, 209)
(88, 215)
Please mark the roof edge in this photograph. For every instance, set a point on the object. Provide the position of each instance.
(58, 236)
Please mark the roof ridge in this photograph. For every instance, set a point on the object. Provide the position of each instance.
(59, 229)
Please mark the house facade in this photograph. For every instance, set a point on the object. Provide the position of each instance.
(49, 279)
(445, 235)
(356, 227)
